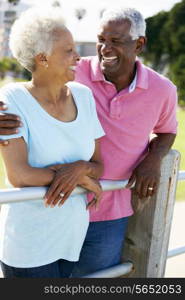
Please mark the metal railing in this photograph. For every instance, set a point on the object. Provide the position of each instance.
(181, 175)
(113, 272)
(32, 193)
(176, 251)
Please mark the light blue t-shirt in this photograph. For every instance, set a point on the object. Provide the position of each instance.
(32, 235)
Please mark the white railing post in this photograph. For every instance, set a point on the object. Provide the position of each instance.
(148, 231)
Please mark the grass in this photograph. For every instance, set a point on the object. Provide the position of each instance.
(178, 145)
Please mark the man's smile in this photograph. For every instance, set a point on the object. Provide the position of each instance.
(109, 60)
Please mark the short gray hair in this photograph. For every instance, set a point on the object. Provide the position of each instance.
(138, 24)
(33, 33)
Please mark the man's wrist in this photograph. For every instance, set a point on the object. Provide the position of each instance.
(156, 155)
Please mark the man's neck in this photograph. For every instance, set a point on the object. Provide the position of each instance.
(122, 81)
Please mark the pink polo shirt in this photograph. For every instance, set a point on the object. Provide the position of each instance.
(128, 118)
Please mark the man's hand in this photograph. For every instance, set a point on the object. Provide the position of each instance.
(9, 123)
(146, 177)
(147, 174)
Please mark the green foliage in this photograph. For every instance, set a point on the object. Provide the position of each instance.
(177, 16)
(178, 42)
(4, 66)
(26, 74)
(166, 45)
(14, 2)
(178, 76)
(155, 46)
(11, 64)
(174, 29)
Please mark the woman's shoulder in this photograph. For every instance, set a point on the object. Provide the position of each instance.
(81, 92)
(79, 87)
(83, 95)
(12, 92)
(11, 88)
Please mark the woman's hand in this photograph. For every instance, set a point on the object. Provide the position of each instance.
(68, 176)
(55, 167)
(66, 179)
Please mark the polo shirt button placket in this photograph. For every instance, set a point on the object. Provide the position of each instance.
(118, 107)
(113, 108)
(109, 89)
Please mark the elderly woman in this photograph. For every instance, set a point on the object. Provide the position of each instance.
(58, 139)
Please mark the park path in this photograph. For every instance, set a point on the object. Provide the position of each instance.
(175, 266)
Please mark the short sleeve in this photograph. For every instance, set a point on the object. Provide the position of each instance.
(167, 122)
(96, 125)
(11, 97)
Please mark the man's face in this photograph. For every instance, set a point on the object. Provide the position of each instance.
(116, 49)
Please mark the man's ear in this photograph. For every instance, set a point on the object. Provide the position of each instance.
(141, 42)
(42, 60)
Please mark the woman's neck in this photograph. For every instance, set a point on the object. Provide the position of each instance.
(48, 90)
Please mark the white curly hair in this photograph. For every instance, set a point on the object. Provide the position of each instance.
(33, 33)
(138, 24)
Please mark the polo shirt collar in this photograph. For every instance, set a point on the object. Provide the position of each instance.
(132, 86)
(140, 80)
(142, 75)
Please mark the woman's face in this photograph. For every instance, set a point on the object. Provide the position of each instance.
(63, 59)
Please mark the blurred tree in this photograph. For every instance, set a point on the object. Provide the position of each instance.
(56, 4)
(174, 30)
(178, 76)
(15, 67)
(166, 45)
(155, 47)
(4, 66)
(101, 12)
(26, 74)
(12, 65)
(14, 2)
(80, 13)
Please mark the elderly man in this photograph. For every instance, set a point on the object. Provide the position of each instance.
(132, 102)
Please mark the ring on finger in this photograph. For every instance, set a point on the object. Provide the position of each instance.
(150, 188)
(62, 195)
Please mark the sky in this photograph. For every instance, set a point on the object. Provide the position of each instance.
(86, 28)
(147, 7)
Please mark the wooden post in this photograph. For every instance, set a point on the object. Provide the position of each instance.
(148, 232)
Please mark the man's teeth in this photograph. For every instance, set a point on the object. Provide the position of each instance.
(73, 68)
(108, 59)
